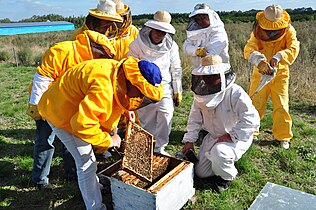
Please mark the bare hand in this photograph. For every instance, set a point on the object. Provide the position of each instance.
(274, 62)
(116, 141)
(187, 146)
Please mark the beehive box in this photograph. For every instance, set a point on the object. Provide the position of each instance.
(171, 188)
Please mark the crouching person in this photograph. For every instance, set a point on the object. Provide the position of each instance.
(85, 104)
(225, 111)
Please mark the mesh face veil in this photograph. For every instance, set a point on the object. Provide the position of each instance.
(106, 27)
(127, 20)
(267, 35)
(211, 84)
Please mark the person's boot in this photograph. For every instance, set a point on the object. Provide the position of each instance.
(284, 144)
(220, 184)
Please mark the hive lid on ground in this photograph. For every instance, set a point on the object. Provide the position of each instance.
(138, 151)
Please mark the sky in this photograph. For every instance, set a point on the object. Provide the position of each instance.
(17, 10)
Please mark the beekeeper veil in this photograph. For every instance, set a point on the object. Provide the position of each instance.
(104, 19)
(125, 12)
(161, 22)
(271, 24)
(210, 80)
(199, 9)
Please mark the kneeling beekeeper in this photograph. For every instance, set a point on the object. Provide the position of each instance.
(225, 111)
(84, 106)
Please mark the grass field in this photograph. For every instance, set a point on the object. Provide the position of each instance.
(263, 162)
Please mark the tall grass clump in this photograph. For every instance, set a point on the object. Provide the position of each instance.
(4, 56)
(26, 57)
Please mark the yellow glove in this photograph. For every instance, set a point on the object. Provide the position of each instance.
(201, 52)
(264, 68)
(177, 99)
(33, 112)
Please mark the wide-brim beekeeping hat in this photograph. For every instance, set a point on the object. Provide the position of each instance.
(121, 8)
(106, 10)
(273, 18)
(211, 65)
(200, 9)
(161, 22)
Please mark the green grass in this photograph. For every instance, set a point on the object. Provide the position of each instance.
(262, 163)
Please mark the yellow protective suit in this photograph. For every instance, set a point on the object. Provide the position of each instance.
(78, 103)
(63, 55)
(85, 100)
(288, 47)
(122, 41)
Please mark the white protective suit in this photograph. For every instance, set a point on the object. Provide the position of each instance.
(156, 118)
(234, 115)
(213, 38)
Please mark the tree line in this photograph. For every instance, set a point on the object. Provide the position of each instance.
(299, 14)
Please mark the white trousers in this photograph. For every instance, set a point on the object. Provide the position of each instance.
(219, 158)
(157, 119)
(86, 168)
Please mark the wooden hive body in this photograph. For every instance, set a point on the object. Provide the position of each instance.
(171, 190)
(143, 180)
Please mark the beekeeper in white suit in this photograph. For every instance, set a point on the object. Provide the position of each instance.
(156, 45)
(206, 35)
(225, 111)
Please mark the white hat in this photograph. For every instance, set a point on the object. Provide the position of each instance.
(211, 64)
(273, 13)
(119, 5)
(273, 18)
(161, 22)
(200, 9)
(106, 10)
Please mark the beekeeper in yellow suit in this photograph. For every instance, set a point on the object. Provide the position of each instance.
(56, 61)
(84, 106)
(127, 31)
(273, 43)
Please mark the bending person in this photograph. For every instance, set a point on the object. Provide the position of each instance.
(84, 106)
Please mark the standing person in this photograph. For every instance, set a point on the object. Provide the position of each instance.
(102, 19)
(84, 106)
(206, 35)
(273, 43)
(225, 111)
(56, 61)
(127, 31)
(155, 44)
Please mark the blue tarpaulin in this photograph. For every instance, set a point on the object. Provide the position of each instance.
(34, 27)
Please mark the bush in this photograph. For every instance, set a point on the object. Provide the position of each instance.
(4, 55)
(25, 57)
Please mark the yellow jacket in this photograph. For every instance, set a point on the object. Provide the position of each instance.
(122, 41)
(287, 46)
(82, 102)
(64, 55)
